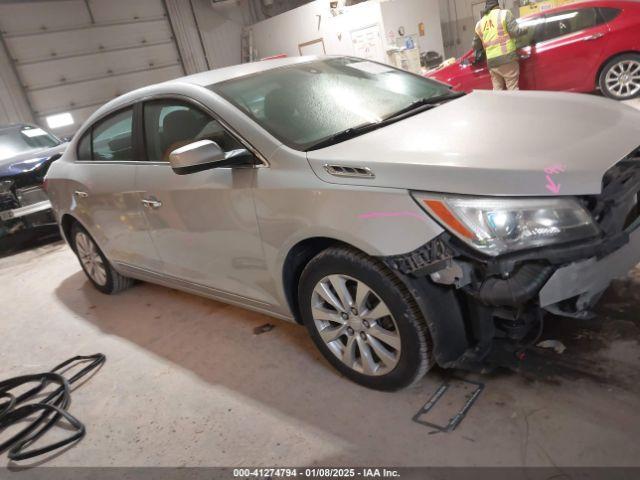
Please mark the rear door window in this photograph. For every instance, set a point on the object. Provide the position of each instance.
(567, 22)
(112, 137)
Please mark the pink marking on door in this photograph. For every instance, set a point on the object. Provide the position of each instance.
(553, 169)
(552, 186)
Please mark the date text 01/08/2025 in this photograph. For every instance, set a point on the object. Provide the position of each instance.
(315, 472)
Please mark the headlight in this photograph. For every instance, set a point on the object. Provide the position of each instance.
(499, 225)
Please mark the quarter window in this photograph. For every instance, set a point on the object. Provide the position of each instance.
(567, 22)
(84, 147)
(607, 14)
(171, 124)
(112, 137)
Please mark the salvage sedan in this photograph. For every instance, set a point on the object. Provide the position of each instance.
(26, 152)
(404, 224)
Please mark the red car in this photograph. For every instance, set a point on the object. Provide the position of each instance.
(578, 47)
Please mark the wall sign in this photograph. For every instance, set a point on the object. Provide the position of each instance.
(367, 43)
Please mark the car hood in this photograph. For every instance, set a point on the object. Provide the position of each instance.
(28, 161)
(494, 143)
(448, 74)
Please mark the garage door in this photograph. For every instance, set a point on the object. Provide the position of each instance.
(72, 56)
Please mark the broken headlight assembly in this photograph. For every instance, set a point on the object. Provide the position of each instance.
(496, 225)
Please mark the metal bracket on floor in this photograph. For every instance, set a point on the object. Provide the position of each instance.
(458, 417)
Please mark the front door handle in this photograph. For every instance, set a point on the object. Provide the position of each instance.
(524, 56)
(151, 203)
(80, 194)
(595, 36)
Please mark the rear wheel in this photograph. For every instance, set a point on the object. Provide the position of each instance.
(363, 320)
(95, 265)
(620, 77)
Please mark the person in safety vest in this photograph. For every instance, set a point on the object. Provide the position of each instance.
(496, 32)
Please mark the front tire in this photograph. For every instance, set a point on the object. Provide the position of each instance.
(95, 265)
(620, 77)
(363, 320)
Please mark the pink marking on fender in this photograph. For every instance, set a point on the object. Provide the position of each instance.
(553, 169)
(552, 186)
(370, 215)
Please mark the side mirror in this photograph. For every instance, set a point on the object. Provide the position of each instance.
(206, 154)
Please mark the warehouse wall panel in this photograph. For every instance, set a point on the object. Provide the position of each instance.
(221, 30)
(14, 107)
(72, 55)
(188, 39)
(48, 101)
(119, 10)
(30, 17)
(91, 67)
(89, 40)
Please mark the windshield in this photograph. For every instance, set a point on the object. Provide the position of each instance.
(303, 104)
(23, 138)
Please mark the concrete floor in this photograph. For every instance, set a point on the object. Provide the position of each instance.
(187, 382)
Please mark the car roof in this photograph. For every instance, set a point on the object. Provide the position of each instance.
(586, 3)
(227, 73)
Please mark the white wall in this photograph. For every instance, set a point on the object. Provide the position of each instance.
(410, 13)
(283, 33)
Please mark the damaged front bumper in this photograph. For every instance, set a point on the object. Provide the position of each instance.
(585, 280)
(491, 301)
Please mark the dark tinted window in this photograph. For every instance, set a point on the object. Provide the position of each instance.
(84, 147)
(566, 22)
(171, 124)
(608, 14)
(112, 139)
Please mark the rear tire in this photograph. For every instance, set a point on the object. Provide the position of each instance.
(98, 269)
(620, 77)
(364, 320)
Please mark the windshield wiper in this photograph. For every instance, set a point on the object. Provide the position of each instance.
(424, 103)
(345, 135)
(414, 107)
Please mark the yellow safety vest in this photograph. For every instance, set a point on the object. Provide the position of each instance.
(492, 29)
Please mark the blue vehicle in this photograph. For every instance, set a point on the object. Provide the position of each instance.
(26, 152)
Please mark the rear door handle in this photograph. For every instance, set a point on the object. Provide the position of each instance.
(595, 36)
(151, 203)
(524, 56)
(80, 194)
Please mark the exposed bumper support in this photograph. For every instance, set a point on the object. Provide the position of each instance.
(590, 277)
(24, 211)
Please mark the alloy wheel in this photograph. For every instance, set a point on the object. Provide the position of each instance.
(355, 324)
(91, 259)
(623, 78)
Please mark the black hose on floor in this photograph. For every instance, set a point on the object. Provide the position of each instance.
(51, 409)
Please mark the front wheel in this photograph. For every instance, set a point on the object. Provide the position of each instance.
(363, 320)
(620, 77)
